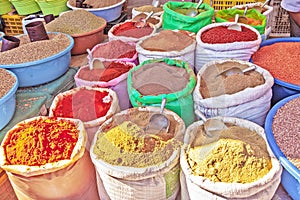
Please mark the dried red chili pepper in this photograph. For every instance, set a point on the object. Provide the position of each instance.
(221, 35)
(85, 105)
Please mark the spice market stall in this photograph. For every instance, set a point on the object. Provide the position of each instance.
(105, 69)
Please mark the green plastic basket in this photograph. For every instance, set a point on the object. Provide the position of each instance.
(54, 7)
(5, 7)
(25, 7)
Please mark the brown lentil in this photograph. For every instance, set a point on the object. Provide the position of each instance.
(32, 51)
(7, 82)
(75, 22)
(96, 3)
(286, 130)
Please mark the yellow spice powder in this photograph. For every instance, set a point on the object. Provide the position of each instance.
(230, 160)
(127, 145)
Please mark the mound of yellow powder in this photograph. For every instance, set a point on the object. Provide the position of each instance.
(127, 145)
(239, 159)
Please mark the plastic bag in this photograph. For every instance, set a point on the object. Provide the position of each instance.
(225, 15)
(174, 20)
(180, 102)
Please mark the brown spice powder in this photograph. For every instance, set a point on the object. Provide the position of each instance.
(7, 82)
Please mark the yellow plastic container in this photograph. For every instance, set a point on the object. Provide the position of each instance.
(13, 24)
(5, 7)
(25, 7)
(54, 7)
(224, 4)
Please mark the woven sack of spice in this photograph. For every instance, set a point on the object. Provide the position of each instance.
(46, 158)
(244, 96)
(126, 157)
(122, 51)
(216, 42)
(167, 44)
(241, 182)
(176, 21)
(114, 76)
(155, 20)
(128, 32)
(173, 79)
(146, 9)
(92, 105)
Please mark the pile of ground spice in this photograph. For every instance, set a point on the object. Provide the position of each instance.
(126, 145)
(120, 50)
(129, 29)
(41, 141)
(222, 35)
(281, 60)
(167, 40)
(112, 70)
(7, 82)
(75, 22)
(285, 127)
(212, 85)
(96, 3)
(33, 51)
(141, 16)
(159, 78)
(238, 155)
(84, 104)
(149, 8)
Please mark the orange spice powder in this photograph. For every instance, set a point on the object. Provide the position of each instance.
(41, 141)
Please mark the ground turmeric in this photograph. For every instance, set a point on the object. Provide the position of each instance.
(238, 156)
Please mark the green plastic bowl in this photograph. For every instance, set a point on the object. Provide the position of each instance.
(25, 7)
(5, 7)
(54, 7)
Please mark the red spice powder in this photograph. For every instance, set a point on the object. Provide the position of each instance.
(221, 35)
(112, 70)
(115, 49)
(85, 105)
(281, 60)
(129, 29)
(41, 141)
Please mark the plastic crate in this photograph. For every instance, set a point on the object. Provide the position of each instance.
(13, 24)
(221, 5)
(280, 22)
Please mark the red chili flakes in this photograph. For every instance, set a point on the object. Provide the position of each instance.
(221, 35)
(41, 141)
(281, 60)
(85, 105)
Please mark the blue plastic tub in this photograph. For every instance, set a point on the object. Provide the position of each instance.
(281, 89)
(1, 35)
(290, 178)
(44, 70)
(109, 13)
(8, 104)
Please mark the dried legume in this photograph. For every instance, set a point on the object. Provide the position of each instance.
(221, 35)
(96, 3)
(7, 82)
(75, 22)
(32, 51)
(286, 130)
(281, 60)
